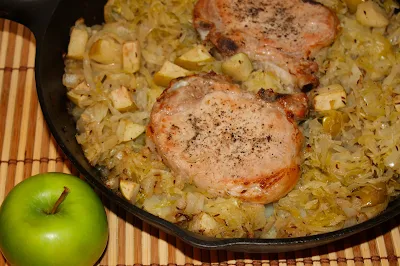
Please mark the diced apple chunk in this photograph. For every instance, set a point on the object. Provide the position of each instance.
(370, 14)
(105, 51)
(77, 43)
(203, 222)
(152, 96)
(129, 189)
(132, 131)
(329, 98)
(238, 67)
(77, 97)
(121, 99)
(168, 72)
(121, 79)
(195, 58)
(131, 56)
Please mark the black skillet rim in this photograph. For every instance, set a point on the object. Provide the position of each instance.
(209, 243)
(233, 244)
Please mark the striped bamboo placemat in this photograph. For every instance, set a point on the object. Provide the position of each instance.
(27, 148)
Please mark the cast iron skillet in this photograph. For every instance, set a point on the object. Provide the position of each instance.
(50, 21)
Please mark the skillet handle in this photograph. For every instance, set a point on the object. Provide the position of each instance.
(34, 14)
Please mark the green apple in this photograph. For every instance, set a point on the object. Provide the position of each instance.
(52, 219)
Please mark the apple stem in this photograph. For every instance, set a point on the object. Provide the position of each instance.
(60, 200)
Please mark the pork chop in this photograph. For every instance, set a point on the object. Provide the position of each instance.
(228, 141)
(280, 35)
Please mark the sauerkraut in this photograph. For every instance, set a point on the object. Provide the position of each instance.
(351, 163)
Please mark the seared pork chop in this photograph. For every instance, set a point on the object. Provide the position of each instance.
(281, 35)
(228, 141)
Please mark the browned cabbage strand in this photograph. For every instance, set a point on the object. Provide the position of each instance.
(351, 155)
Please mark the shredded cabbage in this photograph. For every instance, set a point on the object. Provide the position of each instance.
(351, 158)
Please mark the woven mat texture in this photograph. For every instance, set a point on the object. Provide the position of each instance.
(27, 148)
